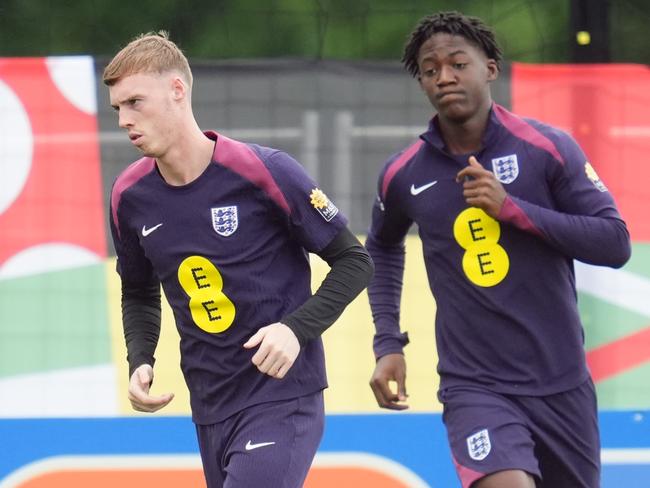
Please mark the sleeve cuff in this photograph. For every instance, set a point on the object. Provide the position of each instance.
(296, 328)
(513, 214)
(384, 345)
(135, 363)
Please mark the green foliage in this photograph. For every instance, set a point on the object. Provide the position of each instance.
(629, 31)
(530, 31)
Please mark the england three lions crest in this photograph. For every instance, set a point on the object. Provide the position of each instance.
(224, 220)
(478, 445)
(506, 168)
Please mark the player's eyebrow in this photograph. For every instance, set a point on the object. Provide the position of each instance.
(455, 53)
(449, 55)
(116, 106)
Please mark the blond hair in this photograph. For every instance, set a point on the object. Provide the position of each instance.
(152, 52)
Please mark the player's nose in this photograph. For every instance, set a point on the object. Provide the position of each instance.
(445, 75)
(124, 119)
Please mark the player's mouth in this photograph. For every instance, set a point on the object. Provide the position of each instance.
(449, 96)
(135, 138)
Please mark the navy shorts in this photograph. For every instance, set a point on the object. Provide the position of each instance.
(554, 438)
(271, 444)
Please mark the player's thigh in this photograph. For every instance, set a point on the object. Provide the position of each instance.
(566, 433)
(487, 434)
(212, 442)
(506, 479)
(274, 443)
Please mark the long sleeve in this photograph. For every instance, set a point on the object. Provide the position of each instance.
(385, 244)
(141, 309)
(351, 270)
(593, 239)
(141, 321)
(384, 293)
(584, 223)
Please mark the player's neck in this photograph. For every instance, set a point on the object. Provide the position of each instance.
(187, 158)
(467, 136)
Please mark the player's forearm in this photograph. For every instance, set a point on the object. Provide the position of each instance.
(351, 270)
(384, 293)
(601, 240)
(141, 321)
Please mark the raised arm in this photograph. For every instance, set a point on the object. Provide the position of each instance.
(584, 223)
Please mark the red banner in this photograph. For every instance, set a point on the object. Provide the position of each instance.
(605, 108)
(50, 197)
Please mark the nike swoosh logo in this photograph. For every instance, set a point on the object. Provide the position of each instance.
(417, 190)
(146, 232)
(250, 446)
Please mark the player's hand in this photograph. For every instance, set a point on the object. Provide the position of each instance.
(139, 395)
(391, 367)
(279, 348)
(481, 188)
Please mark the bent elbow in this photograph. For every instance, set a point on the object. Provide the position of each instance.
(623, 256)
(622, 249)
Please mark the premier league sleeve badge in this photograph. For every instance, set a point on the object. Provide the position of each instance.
(323, 205)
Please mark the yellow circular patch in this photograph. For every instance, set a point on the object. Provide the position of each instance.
(473, 225)
(211, 309)
(485, 262)
(486, 265)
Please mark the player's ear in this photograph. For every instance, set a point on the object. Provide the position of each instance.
(179, 88)
(492, 69)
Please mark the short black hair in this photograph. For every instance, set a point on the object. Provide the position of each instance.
(471, 28)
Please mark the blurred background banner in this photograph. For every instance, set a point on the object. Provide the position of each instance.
(604, 108)
(53, 308)
(320, 80)
(378, 451)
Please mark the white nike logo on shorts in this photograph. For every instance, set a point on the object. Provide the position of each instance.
(146, 232)
(417, 190)
(250, 446)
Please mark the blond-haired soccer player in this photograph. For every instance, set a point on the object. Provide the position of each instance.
(226, 228)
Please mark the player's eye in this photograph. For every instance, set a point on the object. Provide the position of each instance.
(460, 65)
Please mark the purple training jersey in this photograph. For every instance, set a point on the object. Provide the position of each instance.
(507, 315)
(231, 252)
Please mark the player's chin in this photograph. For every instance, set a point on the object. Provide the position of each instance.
(149, 150)
(455, 112)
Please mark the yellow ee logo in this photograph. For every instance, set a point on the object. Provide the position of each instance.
(211, 309)
(485, 262)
